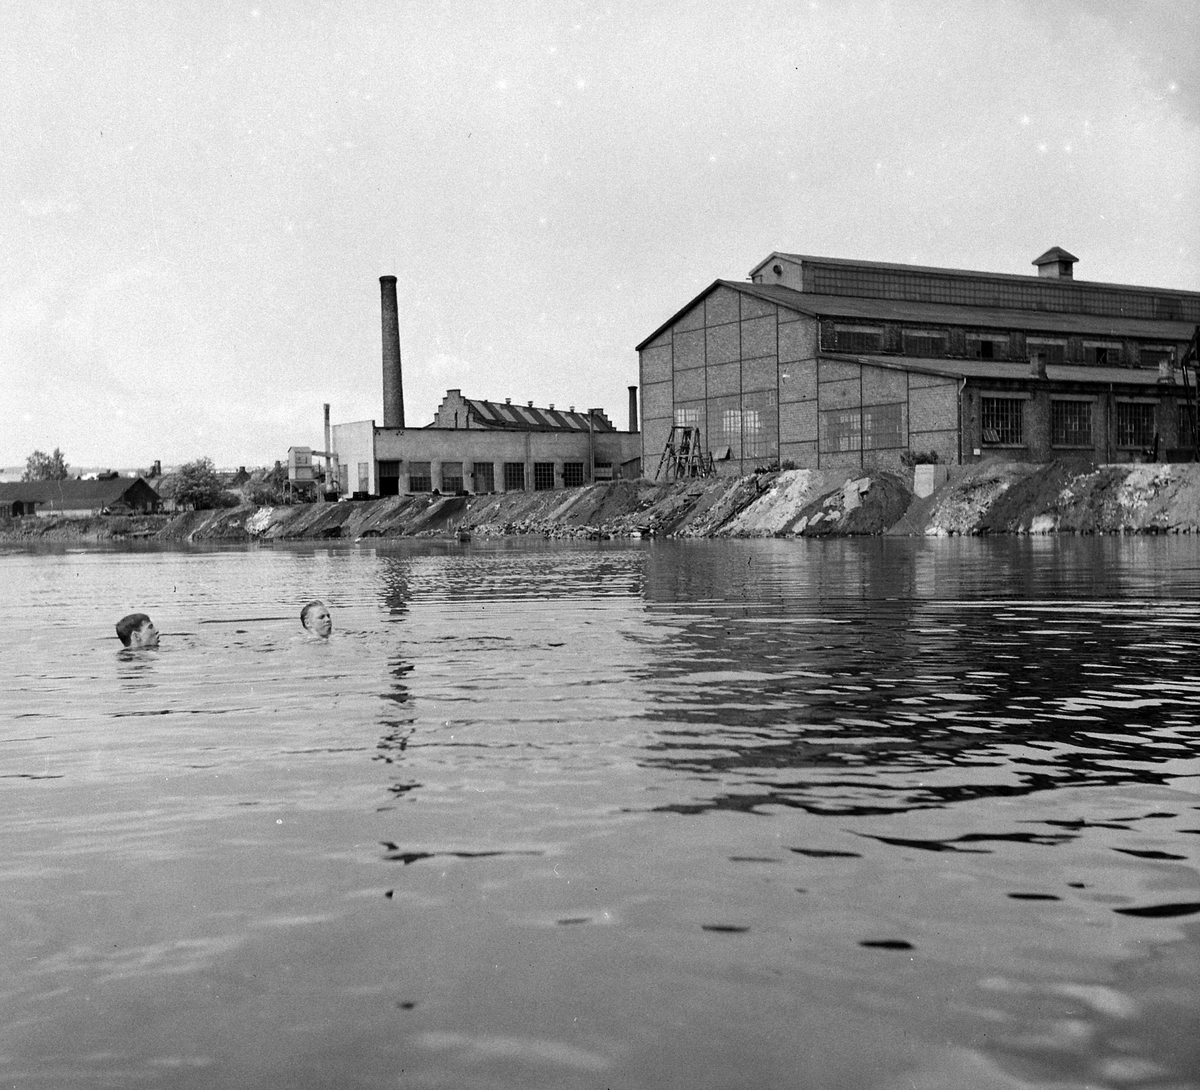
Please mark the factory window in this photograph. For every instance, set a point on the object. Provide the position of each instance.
(987, 346)
(725, 425)
(483, 476)
(1070, 423)
(388, 475)
(753, 445)
(514, 476)
(1002, 420)
(420, 477)
(543, 476)
(1050, 351)
(687, 418)
(760, 425)
(602, 471)
(1185, 423)
(883, 427)
(1135, 424)
(1108, 355)
(921, 342)
(572, 474)
(452, 477)
(1152, 355)
(857, 339)
(843, 430)
(344, 478)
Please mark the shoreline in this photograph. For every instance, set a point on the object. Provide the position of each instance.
(993, 497)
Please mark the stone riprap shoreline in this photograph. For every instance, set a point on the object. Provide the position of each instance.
(992, 497)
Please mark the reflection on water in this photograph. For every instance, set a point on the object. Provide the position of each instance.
(862, 814)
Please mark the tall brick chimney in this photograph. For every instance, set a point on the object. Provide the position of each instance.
(393, 382)
(633, 408)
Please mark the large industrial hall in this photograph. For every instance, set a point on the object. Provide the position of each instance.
(828, 363)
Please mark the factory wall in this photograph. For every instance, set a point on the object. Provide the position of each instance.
(394, 461)
(748, 374)
(1112, 424)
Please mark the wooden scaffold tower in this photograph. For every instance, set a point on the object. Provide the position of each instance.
(682, 457)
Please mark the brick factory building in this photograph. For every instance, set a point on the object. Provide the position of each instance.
(828, 363)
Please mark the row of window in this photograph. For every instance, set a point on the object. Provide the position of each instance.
(1002, 421)
(1034, 294)
(452, 476)
(868, 340)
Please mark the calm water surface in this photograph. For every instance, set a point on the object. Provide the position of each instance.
(895, 814)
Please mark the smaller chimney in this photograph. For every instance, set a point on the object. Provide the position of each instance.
(529, 404)
(1037, 365)
(633, 409)
(572, 409)
(551, 406)
(508, 401)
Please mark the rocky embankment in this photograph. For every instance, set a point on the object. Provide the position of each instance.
(988, 498)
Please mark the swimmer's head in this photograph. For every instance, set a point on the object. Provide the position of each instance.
(137, 630)
(316, 619)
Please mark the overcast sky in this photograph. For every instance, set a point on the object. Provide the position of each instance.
(198, 199)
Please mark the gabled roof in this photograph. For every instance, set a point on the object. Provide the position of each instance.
(900, 310)
(73, 494)
(506, 416)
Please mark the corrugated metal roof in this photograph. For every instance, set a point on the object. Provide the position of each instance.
(496, 414)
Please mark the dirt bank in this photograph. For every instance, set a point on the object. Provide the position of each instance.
(989, 498)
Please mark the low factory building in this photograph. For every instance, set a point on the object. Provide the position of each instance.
(484, 446)
(835, 364)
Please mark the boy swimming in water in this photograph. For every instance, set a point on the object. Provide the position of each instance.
(137, 631)
(316, 619)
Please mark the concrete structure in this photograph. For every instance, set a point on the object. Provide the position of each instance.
(73, 497)
(827, 363)
(474, 445)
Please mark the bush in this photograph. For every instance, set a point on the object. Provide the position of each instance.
(199, 486)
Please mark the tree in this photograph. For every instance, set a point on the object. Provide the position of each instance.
(199, 486)
(46, 467)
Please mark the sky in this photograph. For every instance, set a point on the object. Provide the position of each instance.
(198, 200)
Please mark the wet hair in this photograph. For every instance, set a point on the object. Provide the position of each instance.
(308, 609)
(129, 624)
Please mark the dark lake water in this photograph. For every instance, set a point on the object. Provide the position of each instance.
(896, 814)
